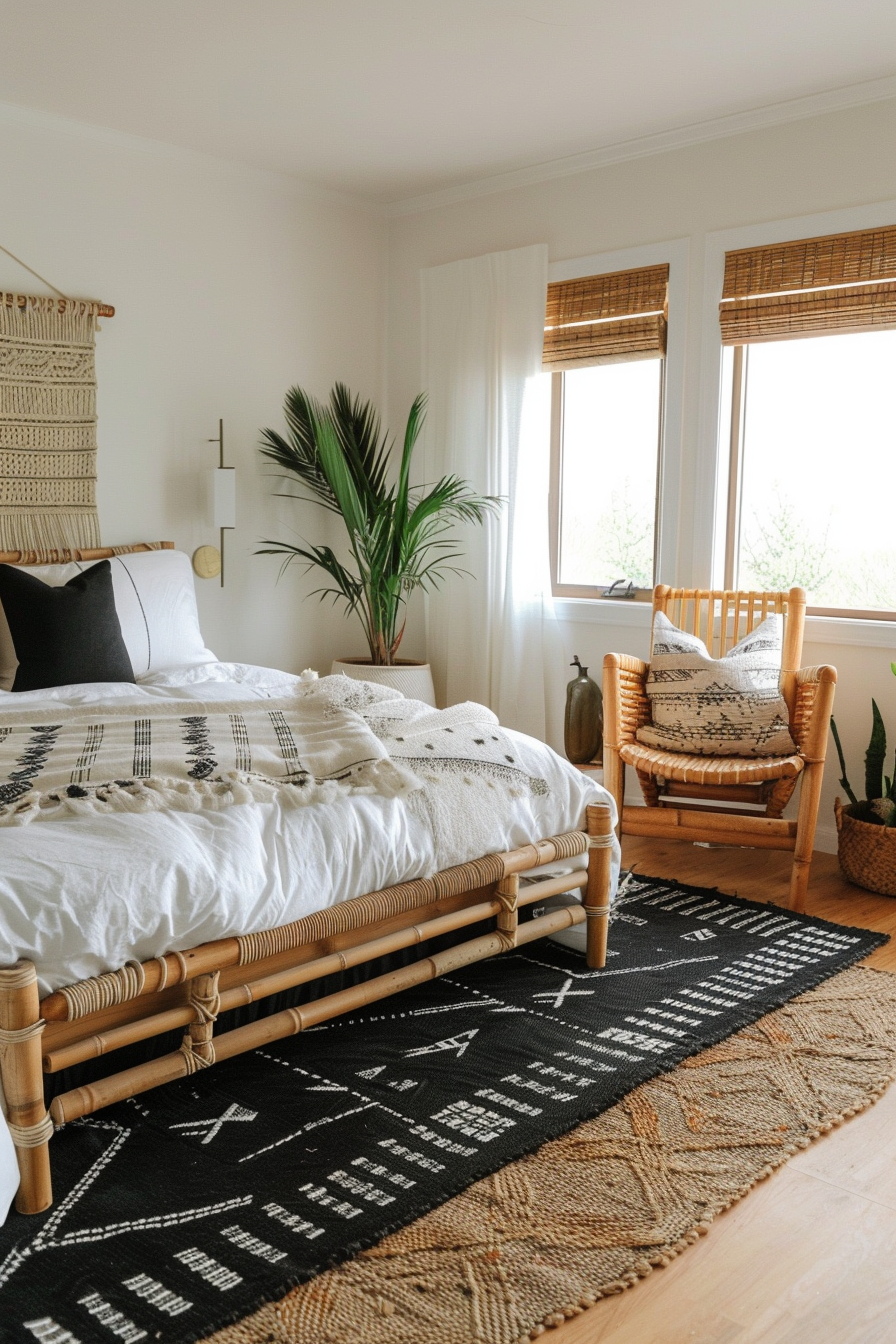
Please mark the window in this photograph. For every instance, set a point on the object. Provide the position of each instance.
(812, 425)
(605, 341)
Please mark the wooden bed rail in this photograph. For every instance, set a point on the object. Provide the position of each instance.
(262, 987)
(191, 989)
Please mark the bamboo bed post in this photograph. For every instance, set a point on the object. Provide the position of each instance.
(20, 1066)
(599, 824)
(198, 1047)
(508, 893)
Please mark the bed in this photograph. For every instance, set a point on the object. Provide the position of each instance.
(263, 832)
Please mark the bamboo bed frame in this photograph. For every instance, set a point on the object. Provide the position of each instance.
(191, 988)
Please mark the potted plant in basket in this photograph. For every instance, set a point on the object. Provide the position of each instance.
(866, 828)
(398, 534)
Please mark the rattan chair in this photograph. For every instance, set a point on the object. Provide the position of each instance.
(720, 619)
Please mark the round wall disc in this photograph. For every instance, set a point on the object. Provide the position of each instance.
(207, 562)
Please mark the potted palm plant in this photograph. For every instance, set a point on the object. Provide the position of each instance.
(398, 535)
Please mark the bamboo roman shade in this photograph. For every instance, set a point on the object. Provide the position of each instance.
(602, 319)
(814, 287)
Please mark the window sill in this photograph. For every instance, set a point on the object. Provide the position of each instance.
(620, 611)
(632, 614)
(849, 630)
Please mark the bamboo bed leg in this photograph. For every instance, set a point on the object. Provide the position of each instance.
(197, 1046)
(20, 1067)
(597, 893)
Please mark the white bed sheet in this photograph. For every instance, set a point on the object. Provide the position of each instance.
(81, 895)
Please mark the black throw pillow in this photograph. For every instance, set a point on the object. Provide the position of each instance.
(64, 635)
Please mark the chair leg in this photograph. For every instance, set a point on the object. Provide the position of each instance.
(614, 780)
(779, 795)
(649, 788)
(807, 818)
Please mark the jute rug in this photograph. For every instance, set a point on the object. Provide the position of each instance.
(589, 1214)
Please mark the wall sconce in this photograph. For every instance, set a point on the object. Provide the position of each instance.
(209, 560)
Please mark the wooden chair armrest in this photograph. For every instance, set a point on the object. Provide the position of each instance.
(626, 706)
(812, 709)
(627, 662)
(816, 675)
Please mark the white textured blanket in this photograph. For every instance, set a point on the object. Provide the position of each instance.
(188, 756)
(470, 768)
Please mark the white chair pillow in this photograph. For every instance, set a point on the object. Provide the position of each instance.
(729, 706)
(156, 605)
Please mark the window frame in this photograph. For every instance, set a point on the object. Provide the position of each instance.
(739, 393)
(712, 467)
(674, 253)
(555, 497)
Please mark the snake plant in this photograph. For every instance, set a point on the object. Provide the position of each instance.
(880, 789)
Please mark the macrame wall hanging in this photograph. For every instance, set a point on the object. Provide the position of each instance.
(47, 421)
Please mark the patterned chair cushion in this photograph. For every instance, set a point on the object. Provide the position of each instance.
(729, 706)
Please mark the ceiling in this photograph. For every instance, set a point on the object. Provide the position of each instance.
(388, 99)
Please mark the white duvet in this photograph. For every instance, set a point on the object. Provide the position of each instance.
(80, 895)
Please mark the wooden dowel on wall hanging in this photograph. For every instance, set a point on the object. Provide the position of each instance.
(102, 309)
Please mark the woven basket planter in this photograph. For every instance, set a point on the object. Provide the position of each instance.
(867, 852)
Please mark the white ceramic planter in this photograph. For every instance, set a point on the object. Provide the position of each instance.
(413, 679)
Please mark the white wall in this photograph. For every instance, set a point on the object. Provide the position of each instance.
(229, 286)
(827, 163)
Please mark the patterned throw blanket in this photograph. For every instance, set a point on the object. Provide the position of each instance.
(187, 755)
(326, 739)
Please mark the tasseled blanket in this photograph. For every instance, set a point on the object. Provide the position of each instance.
(187, 755)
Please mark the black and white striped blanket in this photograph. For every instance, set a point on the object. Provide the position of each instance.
(187, 755)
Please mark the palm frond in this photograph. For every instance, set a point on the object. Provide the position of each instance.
(366, 451)
(297, 455)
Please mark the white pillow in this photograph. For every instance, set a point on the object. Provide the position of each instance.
(156, 605)
(729, 706)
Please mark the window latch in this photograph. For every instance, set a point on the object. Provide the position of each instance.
(615, 591)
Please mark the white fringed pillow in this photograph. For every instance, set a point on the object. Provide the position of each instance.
(729, 706)
(156, 605)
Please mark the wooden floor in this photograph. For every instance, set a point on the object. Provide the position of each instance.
(809, 1257)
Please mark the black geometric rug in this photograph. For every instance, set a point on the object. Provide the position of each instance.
(186, 1208)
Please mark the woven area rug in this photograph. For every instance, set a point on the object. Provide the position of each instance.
(590, 1214)
(189, 1207)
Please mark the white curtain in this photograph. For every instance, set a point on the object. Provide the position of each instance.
(491, 634)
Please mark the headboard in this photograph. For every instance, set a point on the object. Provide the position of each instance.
(66, 557)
